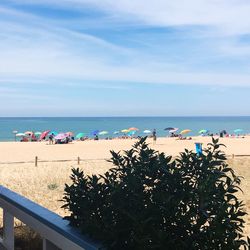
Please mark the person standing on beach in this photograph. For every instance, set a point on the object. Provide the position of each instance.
(51, 138)
(154, 136)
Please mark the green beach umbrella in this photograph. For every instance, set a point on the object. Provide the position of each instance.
(80, 135)
(203, 131)
(37, 133)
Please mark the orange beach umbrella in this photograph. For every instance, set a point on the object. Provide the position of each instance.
(133, 129)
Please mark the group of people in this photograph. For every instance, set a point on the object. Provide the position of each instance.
(65, 140)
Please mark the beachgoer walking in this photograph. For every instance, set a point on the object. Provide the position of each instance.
(154, 136)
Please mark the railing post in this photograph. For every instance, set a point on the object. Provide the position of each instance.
(36, 160)
(8, 230)
(47, 245)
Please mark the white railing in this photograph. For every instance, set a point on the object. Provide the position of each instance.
(56, 232)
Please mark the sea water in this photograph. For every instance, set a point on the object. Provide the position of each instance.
(111, 124)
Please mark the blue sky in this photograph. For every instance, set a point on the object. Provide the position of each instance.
(121, 58)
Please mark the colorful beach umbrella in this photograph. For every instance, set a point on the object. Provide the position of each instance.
(44, 134)
(80, 135)
(203, 131)
(238, 130)
(61, 136)
(185, 131)
(103, 132)
(173, 130)
(147, 131)
(70, 133)
(133, 129)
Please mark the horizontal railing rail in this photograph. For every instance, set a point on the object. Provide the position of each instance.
(55, 231)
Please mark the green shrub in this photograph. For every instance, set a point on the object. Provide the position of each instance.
(150, 201)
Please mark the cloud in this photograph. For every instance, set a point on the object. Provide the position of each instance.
(34, 47)
(228, 15)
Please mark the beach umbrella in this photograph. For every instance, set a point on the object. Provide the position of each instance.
(238, 130)
(37, 133)
(131, 133)
(116, 132)
(203, 131)
(169, 128)
(103, 132)
(133, 129)
(44, 134)
(147, 131)
(61, 136)
(95, 132)
(125, 131)
(28, 133)
(79, 135)
(185, 131)
(20, 134)
(70, 133)
(173, 130)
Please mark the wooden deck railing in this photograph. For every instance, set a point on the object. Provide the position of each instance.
(56, 232)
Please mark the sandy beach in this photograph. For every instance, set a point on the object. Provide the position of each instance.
(44, 184)
(27, 151)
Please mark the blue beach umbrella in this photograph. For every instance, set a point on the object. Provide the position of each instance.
(95, 132)
(131, 133)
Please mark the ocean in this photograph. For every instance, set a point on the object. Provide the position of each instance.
(111, 124)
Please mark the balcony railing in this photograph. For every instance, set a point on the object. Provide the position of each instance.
(56, 232)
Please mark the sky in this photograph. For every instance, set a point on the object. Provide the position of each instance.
(124, 58)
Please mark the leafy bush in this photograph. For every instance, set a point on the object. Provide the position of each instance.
(151, 201)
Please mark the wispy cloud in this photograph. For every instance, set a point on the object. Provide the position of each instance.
(112, 45)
